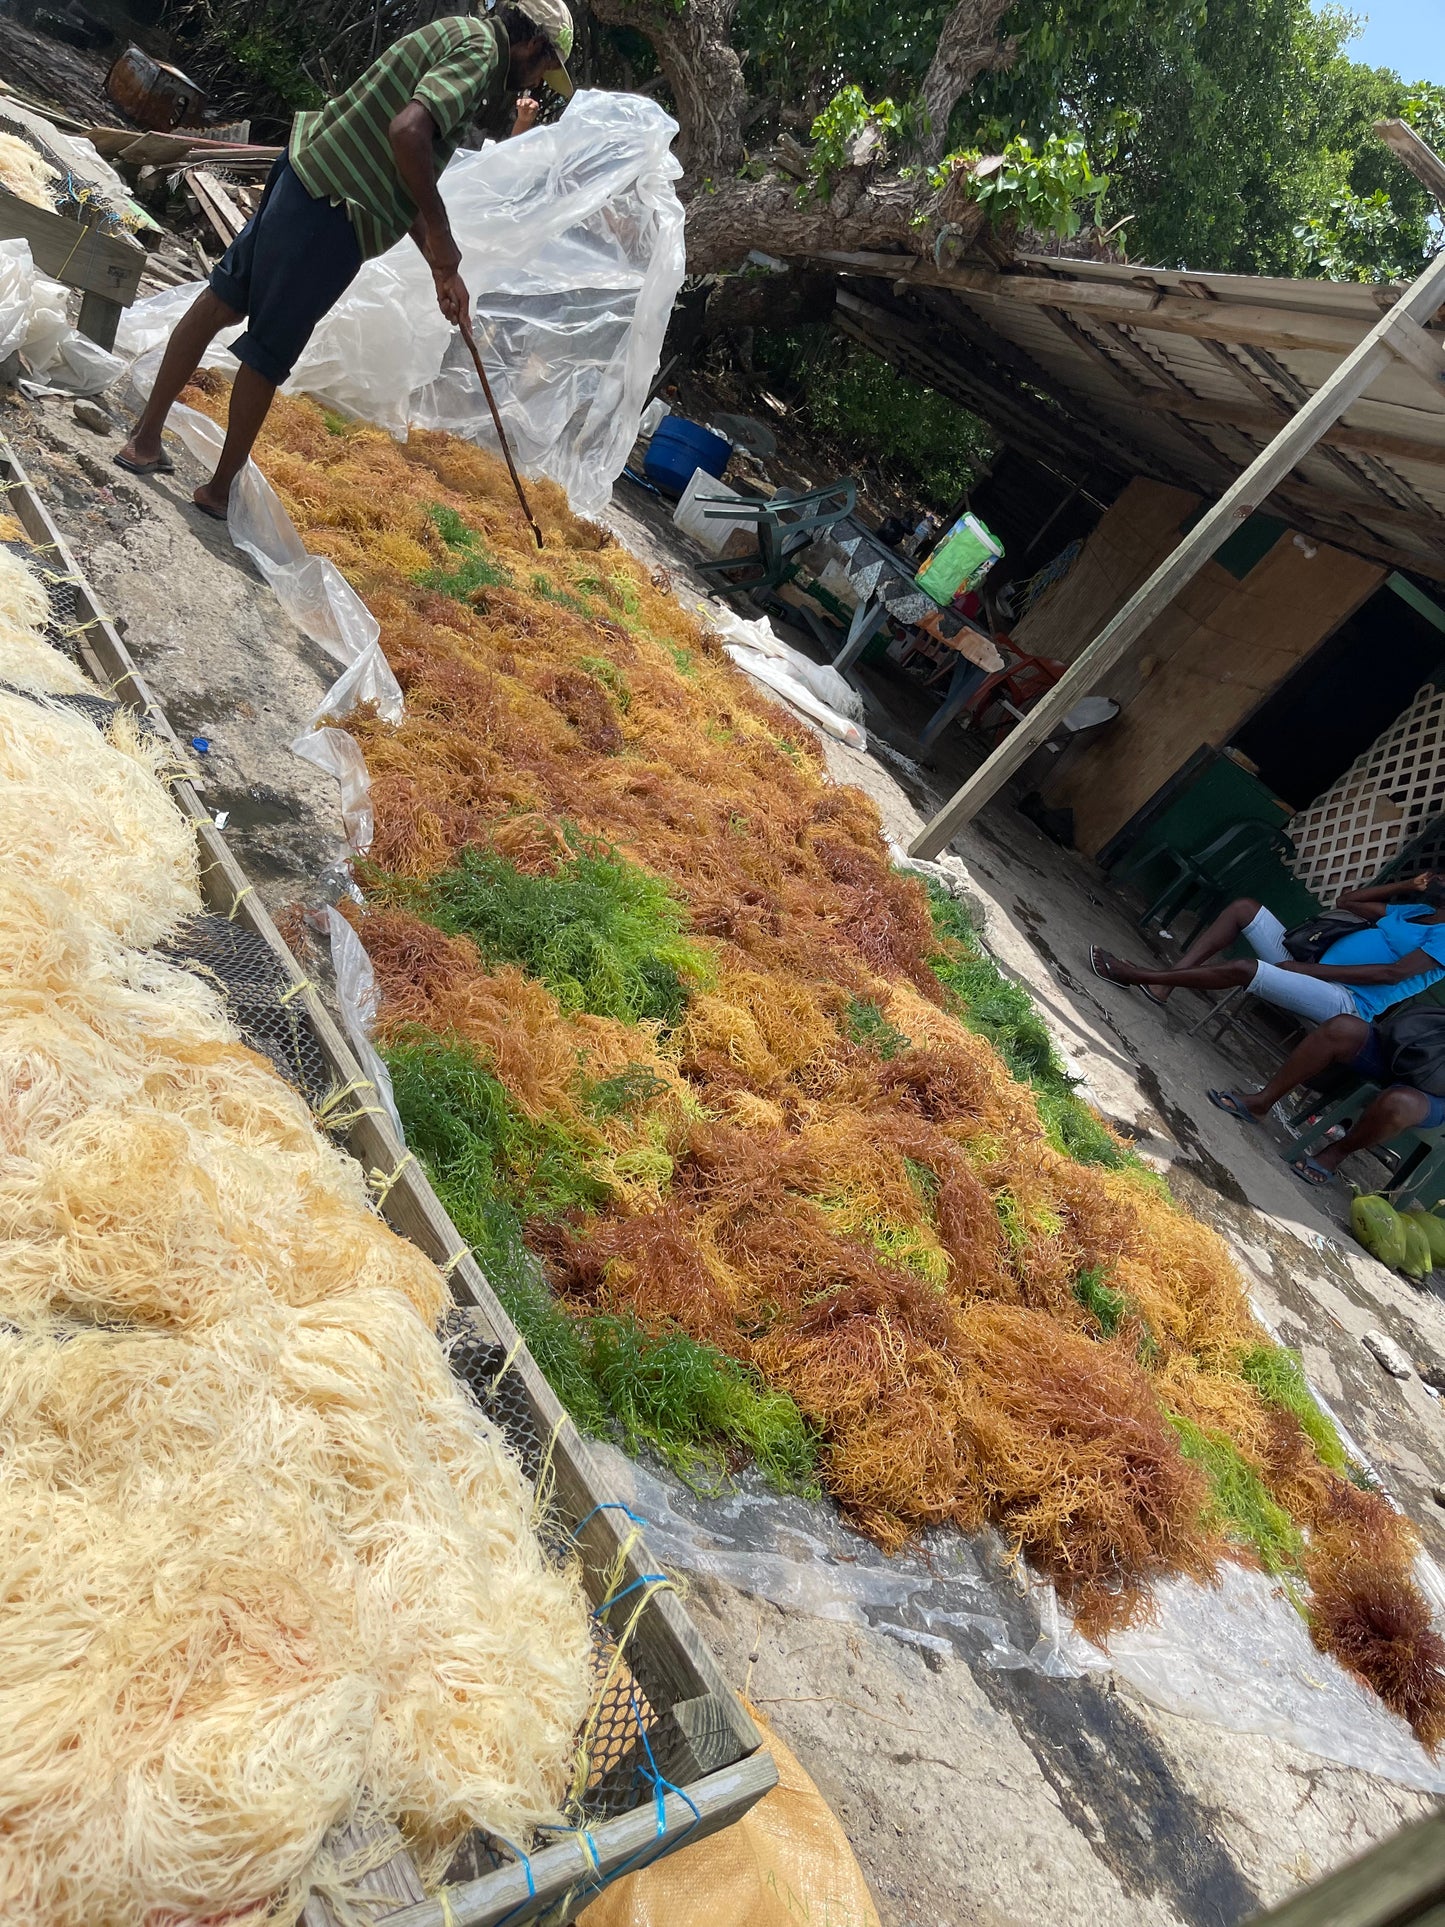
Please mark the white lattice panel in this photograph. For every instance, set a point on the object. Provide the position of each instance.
(1383, 800)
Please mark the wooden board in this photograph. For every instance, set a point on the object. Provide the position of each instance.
(97, 261)
(1200, 668)
(722, 1761)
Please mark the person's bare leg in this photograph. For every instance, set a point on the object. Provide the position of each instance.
(1393, 1111)
(1337, 1041)
(1233, 975)
(1215, 938)
(194, 333)
(251, 398)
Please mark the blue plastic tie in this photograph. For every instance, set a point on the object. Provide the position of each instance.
(610, 1505)
(525, 1863)
(647, 1579)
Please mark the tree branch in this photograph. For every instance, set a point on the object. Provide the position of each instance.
(968, 45)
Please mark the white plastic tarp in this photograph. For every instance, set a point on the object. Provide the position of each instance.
(34, 317)
(572, 248)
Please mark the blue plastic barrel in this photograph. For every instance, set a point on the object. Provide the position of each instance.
(678, 448)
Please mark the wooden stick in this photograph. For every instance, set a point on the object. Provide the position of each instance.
(1295, 439)
(470, 340)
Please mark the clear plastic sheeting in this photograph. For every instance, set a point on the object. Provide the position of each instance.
(357, 1000)
(572, 248)
(340, 756)
(1235, 1655)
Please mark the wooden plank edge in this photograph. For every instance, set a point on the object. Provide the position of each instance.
(720, 1799)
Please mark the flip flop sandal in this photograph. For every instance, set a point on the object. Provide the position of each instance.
(1227, 1101)
(1159, 1003)
(1312, 1174)
(216, 515)
(1099, 962)
(162, 465)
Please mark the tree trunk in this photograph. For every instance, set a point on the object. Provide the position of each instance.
(968, 45)
(695, 51)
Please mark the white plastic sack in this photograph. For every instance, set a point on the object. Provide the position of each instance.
(572, 247)
(17, 279)
(814, 687)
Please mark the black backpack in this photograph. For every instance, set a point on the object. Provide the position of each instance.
(1413, 1043)
(1308, 941)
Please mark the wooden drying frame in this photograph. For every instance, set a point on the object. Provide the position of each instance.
(725, 1769)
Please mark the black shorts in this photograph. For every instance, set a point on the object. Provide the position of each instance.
(293, 260)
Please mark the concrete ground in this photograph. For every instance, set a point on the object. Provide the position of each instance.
(971, 1795)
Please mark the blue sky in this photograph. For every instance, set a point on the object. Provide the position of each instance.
(1408, 35)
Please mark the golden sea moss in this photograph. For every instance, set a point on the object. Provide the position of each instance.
(872, 1213)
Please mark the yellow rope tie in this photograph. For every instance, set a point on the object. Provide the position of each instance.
(301, 983)
(446, 1270)
(381, 1184)
(244, 891)
(542, 1485)
(507, 1363)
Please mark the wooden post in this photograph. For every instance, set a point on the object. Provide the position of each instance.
(1295, 439)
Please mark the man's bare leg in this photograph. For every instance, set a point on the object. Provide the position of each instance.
(1233, 975)
(1216, 938)
(194, 333)
(1337, 1041)
(251, 398)
(1392, 1112)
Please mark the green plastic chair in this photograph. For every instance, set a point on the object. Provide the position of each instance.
(785, 527)
(1205, 880)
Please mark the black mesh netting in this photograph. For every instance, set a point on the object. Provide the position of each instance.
(255, 987)
(630, 1700)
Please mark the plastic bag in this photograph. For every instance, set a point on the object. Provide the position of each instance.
(356, 998)
(961, 560)
(571, 240)
(787, 1860)
(340, 756)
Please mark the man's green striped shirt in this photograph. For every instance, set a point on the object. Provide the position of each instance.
(456, 68)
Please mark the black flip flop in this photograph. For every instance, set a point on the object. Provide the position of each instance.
(1227, 1101)
(162, 465)
(1096, 951)
(216, 515)
(1312, 1174)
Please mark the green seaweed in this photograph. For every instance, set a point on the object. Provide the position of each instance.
(1107, 1307)
(1003, 1012)
(866, 1024)
(701, 1410)
(1239, 1502)
(603, 935)
(1278, 1376)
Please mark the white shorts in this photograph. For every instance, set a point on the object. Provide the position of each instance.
(1307, 997)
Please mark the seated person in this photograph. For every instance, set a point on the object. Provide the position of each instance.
(1360, 976)
(1354, 1044)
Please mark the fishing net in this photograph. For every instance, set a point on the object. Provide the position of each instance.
(832, 1176)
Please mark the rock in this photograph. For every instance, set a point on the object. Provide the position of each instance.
(1389, 1354)
(1433, 1376)
(1437, 1493)
(90, 414)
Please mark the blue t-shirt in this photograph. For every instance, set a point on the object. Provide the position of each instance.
(1401, 932)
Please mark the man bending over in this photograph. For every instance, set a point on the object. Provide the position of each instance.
(1362, 975)
(359, 174)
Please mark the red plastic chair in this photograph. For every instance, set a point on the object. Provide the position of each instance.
(1012, 690)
